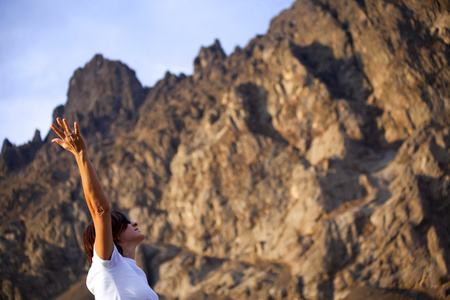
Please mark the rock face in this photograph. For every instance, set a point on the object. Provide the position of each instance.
(312, 164)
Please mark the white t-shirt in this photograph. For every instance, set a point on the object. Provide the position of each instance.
(118, 279)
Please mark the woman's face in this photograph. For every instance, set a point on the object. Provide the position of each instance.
(132, 234)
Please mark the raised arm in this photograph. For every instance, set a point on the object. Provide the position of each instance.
(96, 199)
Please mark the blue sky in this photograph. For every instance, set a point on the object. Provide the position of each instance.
(43, 42)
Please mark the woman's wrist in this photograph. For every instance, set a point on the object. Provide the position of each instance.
(81, 155)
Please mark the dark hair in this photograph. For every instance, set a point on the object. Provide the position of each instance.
(119, 223)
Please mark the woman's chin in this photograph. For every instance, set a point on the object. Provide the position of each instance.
(141, 238)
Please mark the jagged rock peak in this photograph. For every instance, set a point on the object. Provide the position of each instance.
(37, 137)
(6, 145)
(103, 89)
(15, 157)
(212, 52)
(208, 56)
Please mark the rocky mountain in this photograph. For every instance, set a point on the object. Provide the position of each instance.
(311, 164)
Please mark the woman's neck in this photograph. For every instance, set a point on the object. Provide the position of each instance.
(128, 250)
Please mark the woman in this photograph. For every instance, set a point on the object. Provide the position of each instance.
(110, 240)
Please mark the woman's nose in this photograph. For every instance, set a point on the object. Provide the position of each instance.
(134, 224)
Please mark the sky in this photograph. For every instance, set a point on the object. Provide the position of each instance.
(43, 42)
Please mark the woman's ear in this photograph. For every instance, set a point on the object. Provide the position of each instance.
(116, 238)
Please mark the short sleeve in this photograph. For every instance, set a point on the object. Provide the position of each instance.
(107, 263)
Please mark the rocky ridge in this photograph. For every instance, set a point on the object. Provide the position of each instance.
(311, 164)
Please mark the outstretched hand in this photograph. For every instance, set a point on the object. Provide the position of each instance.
(71, 140)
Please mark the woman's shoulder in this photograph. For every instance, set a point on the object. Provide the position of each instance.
(116, 258)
